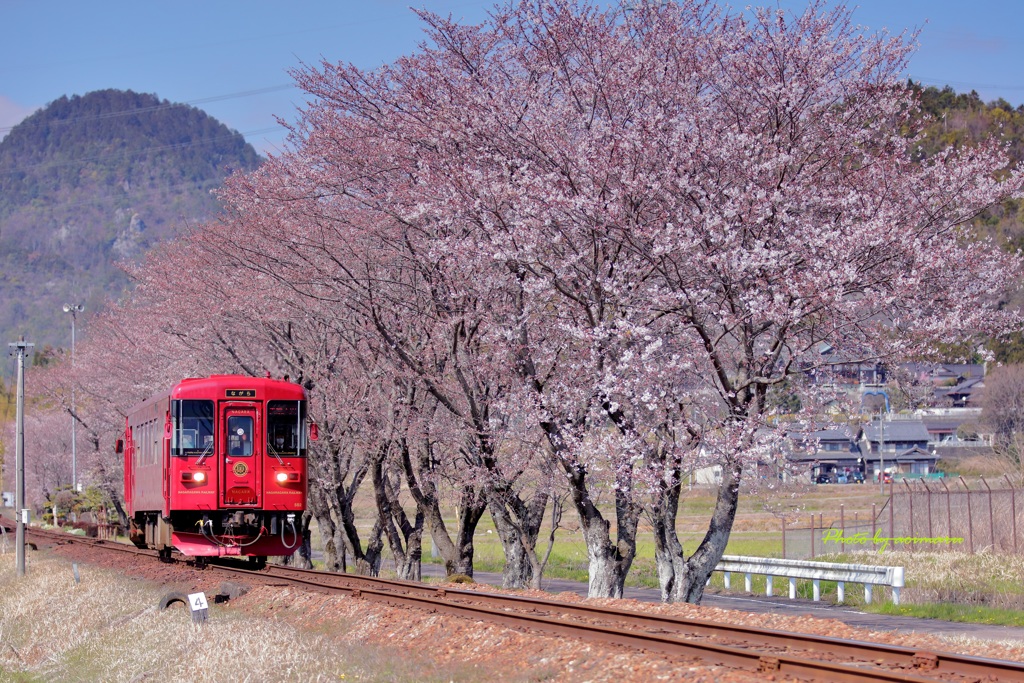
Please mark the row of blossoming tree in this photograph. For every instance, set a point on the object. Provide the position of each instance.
(566, 257)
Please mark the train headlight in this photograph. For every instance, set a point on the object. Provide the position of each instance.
(282, 477)
(199, 477)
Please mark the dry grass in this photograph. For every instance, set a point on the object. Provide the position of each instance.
(107, 628)
(992, 580)
(979, 579)
(972, 465)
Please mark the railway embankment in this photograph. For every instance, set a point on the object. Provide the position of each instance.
(107, 626)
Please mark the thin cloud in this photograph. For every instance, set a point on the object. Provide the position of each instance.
(971, 42)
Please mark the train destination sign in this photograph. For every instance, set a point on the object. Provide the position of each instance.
(240, 393)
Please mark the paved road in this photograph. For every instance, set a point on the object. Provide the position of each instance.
(795, 607)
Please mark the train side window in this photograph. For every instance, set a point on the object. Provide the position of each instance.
(156, 435)
(240, 435)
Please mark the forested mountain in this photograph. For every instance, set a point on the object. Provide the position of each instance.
(89, 181)
(959, 119)
(963, 120)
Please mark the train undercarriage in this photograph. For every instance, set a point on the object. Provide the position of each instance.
(222, 533)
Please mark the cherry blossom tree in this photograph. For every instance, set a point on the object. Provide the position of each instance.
(421, 317)
(1002, 412)
(47, 454)
(685, 203)
(123, 360)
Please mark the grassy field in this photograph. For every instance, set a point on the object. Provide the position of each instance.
(953, 586)
(757, 531)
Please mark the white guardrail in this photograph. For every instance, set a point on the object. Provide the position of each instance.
(815, 571)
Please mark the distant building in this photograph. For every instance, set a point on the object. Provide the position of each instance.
(957, 385)
(826, 455)
(846, 454)
(897, 446)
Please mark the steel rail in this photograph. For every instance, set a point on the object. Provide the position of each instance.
(659, 633)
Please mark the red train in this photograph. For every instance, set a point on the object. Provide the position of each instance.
(217, 466)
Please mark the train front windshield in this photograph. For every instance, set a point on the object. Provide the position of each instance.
(192, 425)
(285, 433)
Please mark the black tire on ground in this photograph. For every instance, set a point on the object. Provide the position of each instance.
(172, 598)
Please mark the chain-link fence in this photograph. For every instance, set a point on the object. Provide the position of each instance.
(921, 516)
(815, 537)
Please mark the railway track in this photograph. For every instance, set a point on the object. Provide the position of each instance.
(786, 655)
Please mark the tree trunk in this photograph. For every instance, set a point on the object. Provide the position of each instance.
(304, 555)
(518, 524)
(608, 562)
(709, 553)
(471, 508)
(411, 568)
(335, 555)
(668, 550)
(538, 563)
(331, 504)
(404, 537)
(330, 532)
(368, 562)
(518, 570)
(115, 499)
(457, 553)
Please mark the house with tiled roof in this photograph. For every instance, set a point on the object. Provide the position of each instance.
(841, 454)
(826, 455)
(897, 446)
(967, 393)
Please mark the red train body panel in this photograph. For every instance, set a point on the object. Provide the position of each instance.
(217, 466)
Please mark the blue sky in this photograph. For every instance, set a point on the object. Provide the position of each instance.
(230, 58)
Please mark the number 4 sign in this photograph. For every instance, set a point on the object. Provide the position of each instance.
(197, 602)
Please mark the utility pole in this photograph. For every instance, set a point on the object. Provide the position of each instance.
(74, 310)
(881, 458)
(881, 433)
(19, 449)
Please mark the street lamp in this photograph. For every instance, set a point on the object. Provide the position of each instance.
(74, 310)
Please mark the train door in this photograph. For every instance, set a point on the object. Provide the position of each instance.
(241, 473)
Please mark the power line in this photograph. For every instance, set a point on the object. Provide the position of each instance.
(157, 107)
(937, 82)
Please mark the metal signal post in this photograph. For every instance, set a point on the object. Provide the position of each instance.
(19, 450)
